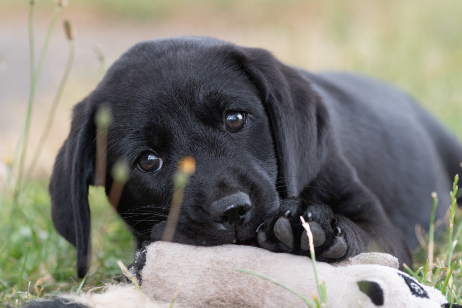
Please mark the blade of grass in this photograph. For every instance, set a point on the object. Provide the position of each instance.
(452, 208)
(22, 269)
(82, 283)
(431, 232)
(58, 7)
(31, 41)
(424, 278)
(447, 278)
(28, 290)
(57, 99)
(308, 302)
(33, 87)
(177, 291)
(412, 273)
(32, 78)
(186, 167)
(133, 279)
(321, 287)
(129, 275)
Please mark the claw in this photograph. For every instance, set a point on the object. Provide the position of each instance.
(337, 250)
(310, 216)
(259, 227)
(283, 231)
(319, 237)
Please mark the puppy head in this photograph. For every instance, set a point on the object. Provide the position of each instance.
(239, 112)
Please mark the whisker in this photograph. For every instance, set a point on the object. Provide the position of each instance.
(146, 208)
(146, 220)
(327, 190)
(150, 214)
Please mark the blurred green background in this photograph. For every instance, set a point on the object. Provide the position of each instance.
(414, 44)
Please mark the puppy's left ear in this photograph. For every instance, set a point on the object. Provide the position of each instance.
(299, 119)
(73, 172)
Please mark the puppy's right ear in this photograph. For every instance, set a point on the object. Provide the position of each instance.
(73, 172)
(299, 119)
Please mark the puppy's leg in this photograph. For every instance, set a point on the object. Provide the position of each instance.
(339, 232)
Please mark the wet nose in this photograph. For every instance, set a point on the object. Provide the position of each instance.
(231, 210)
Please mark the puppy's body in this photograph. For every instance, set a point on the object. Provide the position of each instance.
(355, 157)
(396, 148)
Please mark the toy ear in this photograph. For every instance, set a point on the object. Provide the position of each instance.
(299, 119)
(373, 290)
(139, 261)
(73, 172)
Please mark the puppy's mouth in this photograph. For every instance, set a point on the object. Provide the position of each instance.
(248, 242)
(243, 239)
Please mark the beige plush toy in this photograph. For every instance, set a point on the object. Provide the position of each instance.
(208, 277)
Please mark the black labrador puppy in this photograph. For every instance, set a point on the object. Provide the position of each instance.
(358, 159)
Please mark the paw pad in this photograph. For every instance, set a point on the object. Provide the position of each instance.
(337, 250)
(319, 237)
(283, 231)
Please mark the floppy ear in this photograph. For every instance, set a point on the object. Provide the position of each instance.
(299, 119)
(73, 172)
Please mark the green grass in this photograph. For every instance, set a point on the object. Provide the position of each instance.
(445, 273)
(32, 252)
(48, 259)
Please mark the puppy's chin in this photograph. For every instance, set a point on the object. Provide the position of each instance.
(197, 228)
(214, 237)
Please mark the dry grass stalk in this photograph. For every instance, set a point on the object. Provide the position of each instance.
(103, 118)
(120, 175)
(186, 168)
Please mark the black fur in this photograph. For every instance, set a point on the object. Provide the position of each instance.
(53, 303)
(358, 155)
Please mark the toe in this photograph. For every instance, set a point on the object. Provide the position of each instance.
(267, 243)
(283, 231)
(319, 237)
(337, 250)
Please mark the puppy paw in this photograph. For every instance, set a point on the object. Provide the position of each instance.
(285, 232)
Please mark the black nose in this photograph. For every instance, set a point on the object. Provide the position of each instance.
(231, 210)
(235, 214)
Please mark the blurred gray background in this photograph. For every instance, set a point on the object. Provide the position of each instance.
(414, 44)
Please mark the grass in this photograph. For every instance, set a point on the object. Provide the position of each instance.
(34, 252)
(319, 301)
(414, 44)
(446, 278)
(445, 272)
(35, 258)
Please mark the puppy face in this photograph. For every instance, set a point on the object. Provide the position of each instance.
(198, 107)
(240, 113)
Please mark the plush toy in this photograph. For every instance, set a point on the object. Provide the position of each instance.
(208, 277)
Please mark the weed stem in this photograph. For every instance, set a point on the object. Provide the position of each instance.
(54, 106)
(453, 213)
(34, 80)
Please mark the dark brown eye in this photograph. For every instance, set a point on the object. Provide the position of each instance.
(235, 120)
(148, 162)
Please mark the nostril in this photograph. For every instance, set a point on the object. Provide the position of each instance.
(234, 215)
(231, 210)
